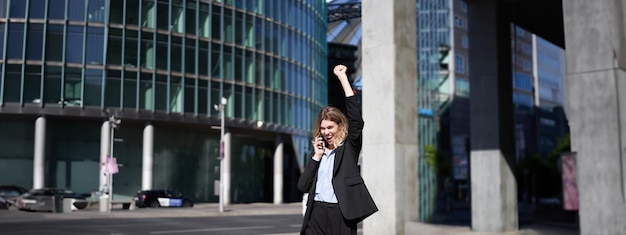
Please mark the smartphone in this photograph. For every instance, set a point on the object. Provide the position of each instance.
(323, 140)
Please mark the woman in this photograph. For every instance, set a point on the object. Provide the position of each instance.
(338, 199)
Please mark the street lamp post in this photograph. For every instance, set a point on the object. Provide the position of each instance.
(113, 124)
(220, 108)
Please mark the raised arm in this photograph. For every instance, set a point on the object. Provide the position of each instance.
(340, 72)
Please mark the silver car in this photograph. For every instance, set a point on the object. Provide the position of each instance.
(49, 199)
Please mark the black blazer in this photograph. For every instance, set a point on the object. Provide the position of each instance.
(355, 201)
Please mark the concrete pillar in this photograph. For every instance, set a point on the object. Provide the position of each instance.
(227, 161)
(492, 157)
(39, 160)
(278, 171)
(105, 148)
(389, 163)
(148, 157)
(595, 37)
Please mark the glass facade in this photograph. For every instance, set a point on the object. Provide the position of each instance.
(154, 59)
(433, 37)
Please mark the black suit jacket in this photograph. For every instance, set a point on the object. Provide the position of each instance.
(355, 201)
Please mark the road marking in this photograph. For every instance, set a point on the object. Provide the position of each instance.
(208, 230)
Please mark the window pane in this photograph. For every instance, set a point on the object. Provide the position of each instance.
(34, 48)
(32, 84)
(162, 15)
(178, 19)
(114, 47)
(112, 88)
(176, 54)
(93, 87)
(56, 9)
(13, 83)
(130, 89)
(73, 87)
(54, 42)
(132, 12)
(52, 85)
(161, 60)
(147, 50)
(190, 18)
(176, 95)
(3, 8)
(2, 30)
(95, 45)
(148, 17)
(77, 10)
(18, 9)
(116, 15)
(216, 28)
(160, 95)
(146, 93)
(74, 46)
(16, 41)
(130, 50)
(96, 10)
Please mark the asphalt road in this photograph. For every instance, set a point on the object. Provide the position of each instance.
(233, 225)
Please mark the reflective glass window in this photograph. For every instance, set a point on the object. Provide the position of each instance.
(18, 9)
(229, 27)
(176, 54)
(162, 15)
(148, 14)
(203, 57)
(216, 21)
(130, 89)
(96, 10)
(114, 47)
(74, 44)
(190, 18)
(132, 12)
(95, 45)
(34, 42)
(3, 8)
(204, 20)
(54, 42)
(13, 83)
(116, 11)
(147, 50)
(76, 10)
(190, 56)
(2, 30)
(176, 95)
(161, 50)
(190, 95)
(146, 91)
(52, 85)
(160, 93)
(32, 84)
(37, 9)
(56, 9)
(73, 87)
(93, 87)
(16, 41)
(130, 48)
(178, 17)
(112, 88)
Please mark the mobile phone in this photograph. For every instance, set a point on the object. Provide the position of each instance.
(323, 140)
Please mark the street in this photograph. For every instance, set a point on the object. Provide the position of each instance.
(260, 224)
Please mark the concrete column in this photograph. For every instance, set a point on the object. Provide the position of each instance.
(39, 160)
(227, 161)
(595, 35)
(105, 148)
(148, 157)
(278, 171)
(389, 164)
(492, 157)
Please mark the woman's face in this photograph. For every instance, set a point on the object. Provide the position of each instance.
(328, 130)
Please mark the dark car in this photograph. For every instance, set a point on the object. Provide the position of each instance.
(44, 199)
(8, 194)
(162, 198)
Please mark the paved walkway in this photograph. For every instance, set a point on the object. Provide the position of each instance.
(212, 209)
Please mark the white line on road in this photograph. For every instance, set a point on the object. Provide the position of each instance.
(209, 230)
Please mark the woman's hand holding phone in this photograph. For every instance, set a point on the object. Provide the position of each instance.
(319, 146)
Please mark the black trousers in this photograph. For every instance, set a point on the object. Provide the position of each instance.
(326, 219)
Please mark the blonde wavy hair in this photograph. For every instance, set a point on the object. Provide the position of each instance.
(330, 113)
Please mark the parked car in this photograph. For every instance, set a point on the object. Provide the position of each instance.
(161, 198)
(8, 194)
(44, 199)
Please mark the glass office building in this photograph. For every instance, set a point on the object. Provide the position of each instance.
(162, 64)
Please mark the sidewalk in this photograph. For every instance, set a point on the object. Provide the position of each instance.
(212, 209)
